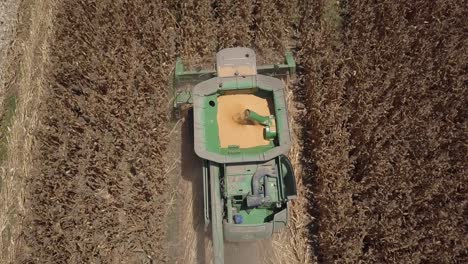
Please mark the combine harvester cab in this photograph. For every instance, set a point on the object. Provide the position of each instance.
(242, 134)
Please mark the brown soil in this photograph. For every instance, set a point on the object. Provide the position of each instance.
(25, 67)
(233, 129)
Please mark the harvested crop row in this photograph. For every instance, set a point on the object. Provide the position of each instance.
(98, 194)
(385, 94)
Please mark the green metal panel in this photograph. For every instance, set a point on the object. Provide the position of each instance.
(252, 115)
(195, 76)
(252, 150)
(183, 97)
(273, 185)
(280, 220)
(256, 215)
(237, 85)
(211, 136)
(216, 214)
(291, 62)
(255, 184)
(210, 115)
(183, 77)
(288, 178)
(238, 184)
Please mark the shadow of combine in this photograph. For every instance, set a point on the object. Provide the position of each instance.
(192, 172)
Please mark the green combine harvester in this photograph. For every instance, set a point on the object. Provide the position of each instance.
(242, 134)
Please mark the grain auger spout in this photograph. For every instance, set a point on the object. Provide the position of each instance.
(267, 121)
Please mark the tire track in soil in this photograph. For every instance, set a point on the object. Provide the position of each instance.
(188, 240)
(196, 44)
(98, 194)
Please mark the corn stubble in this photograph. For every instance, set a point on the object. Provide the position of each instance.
(386, 123)
(98, 192)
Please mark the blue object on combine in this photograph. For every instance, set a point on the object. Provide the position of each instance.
(238, 219)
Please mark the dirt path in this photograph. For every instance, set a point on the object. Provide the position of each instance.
(25, 70)
(8, 21)
(189, 240)
(248, 253)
